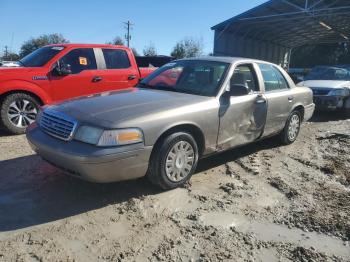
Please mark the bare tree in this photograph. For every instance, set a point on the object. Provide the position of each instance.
(117, 41)
(135, 51)
(150, 50)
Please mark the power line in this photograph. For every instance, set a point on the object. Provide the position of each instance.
(128, 27)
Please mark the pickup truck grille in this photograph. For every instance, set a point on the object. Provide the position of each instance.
(58, 125)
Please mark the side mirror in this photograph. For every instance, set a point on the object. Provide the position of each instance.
(62, 69)
(238, 90)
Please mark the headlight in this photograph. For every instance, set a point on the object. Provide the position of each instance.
(339, 92)
(120, 137)
(89, 134)
(100, 137)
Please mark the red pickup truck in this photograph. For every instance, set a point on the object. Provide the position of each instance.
(57, 72)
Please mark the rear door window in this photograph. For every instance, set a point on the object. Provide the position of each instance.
(273, 78)
(80, 59)
(116, 59)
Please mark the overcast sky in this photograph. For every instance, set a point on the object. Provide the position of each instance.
(81, 21)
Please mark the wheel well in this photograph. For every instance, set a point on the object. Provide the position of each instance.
(301, 110)
(2, 96)
(191, 129)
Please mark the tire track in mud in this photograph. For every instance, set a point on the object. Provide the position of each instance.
(241, 207)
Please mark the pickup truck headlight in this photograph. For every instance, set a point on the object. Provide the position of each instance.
(339, 92)
(100, 137)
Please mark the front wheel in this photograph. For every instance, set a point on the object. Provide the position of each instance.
(18, 110)
(291, 129)
(173, 161)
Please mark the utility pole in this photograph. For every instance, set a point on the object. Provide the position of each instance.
(6, 52)
(128, 27)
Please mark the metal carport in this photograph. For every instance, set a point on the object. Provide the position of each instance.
(271, 30)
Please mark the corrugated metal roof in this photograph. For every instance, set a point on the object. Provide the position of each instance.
(292, 23)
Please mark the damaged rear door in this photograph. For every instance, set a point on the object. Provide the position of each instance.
(242, 113)
(279, 96)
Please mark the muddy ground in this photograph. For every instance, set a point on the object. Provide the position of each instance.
(262, 202)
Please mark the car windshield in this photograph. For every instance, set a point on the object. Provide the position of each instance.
(329, 73)
(197, 77)
(40, 56)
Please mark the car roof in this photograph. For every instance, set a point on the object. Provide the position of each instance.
(226, 59)
(90, 45)
(345, 67)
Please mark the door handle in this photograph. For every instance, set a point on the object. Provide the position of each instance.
(97, 79)
(260, 99)
(131, 77)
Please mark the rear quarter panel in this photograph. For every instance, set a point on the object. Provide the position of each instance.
(303, 97)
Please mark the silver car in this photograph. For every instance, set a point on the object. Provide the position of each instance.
(184, 111)
(330, 86)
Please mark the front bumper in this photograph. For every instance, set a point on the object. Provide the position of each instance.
(88, 162)
(329, 103)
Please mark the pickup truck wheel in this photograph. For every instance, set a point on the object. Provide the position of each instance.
(18, 110)
(292, 128)
(173, 161)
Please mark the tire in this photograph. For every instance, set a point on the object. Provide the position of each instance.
(170, 167)
(346, 110)
(18, 108)
(292, 128)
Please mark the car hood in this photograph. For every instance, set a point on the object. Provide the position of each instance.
(18, 70)
(326, 84)
(110, 108)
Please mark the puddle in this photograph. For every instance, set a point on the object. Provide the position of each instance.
(267, 231)
(270, 255)
(175, 201)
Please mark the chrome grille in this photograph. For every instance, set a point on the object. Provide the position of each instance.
(57, 124)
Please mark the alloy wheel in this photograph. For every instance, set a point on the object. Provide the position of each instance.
(22, 113)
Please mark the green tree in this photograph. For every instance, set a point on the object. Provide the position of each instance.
(150, 50)
(10, 57)
(35, 43)
(179, 51)
(188, 47)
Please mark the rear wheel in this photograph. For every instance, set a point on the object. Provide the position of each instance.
(292, 128)
(18, 110)
(173, 161)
